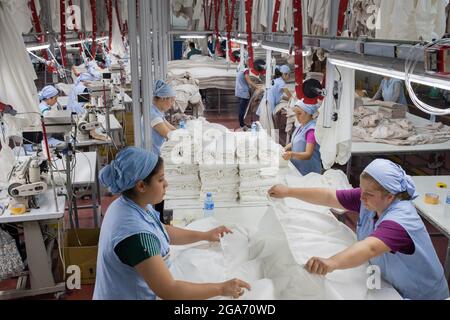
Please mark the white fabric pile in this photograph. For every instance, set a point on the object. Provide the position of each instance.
(221, 180)
(187, 93)
(373, 126)
(246, 147)
(255, 182)
(183, 180)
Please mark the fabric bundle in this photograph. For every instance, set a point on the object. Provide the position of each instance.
(221, 180)
(255, 182)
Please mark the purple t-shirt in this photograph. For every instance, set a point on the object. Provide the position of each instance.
(311, 137)
(390, 232)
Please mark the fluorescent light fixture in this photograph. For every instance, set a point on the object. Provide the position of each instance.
(192, 36)
(242, 41)
(38, 48)
(283, 50)
(440, 83)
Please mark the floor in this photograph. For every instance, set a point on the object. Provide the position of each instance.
(229, 119)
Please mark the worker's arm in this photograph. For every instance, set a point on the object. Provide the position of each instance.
(358, 254)
(182, 236)
(163, 129)
(249, 81)
(317, 196)
(307, 155)
(287, 93)
(171, 127)
(379, 94)
(160, 281)
(288, 147)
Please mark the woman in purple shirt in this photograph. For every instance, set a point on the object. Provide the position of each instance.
(391, 235)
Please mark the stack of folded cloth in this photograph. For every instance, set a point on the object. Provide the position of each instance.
(183, 180)
(393, 110)
(179, 148)
(222, 180)
(256, 180)
(269, 152)
(246, 147)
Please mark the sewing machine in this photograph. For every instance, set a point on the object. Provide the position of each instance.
(25, 183)
(87, 126)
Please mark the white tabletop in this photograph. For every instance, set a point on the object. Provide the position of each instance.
(382, 148)
(114, 123)
(433, 213)
(47, 210)
(93, 142)
(85, 168)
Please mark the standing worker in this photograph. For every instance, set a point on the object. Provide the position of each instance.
(242, 90)
(391, 234)
(134, 248)
(304, 151)
(391, 90)
(81, 87)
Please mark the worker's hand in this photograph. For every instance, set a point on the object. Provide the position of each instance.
(288, 148)
(217, 233)
(234, 288)
(279, 191)
(287, 155)
(320, 266)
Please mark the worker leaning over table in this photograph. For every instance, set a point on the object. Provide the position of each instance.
(134, 248)
(276, 93)
(390, 232)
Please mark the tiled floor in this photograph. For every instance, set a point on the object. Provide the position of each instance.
(229, 119)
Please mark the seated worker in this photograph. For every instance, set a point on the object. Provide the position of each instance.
(242, 90)
(134, 247)
(391, 90)
(304, 151)
(278, 91)
(48, 97)
(194, 51)
(80, 87)
(391, 234)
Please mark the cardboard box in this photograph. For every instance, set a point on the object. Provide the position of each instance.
(80, 249)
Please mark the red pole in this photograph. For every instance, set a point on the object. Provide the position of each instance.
(298, 41)
(62, 10)
(94, 28)
(343, 5)
(229, 18)
(276, 15)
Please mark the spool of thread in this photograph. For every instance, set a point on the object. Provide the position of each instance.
(18, 209)
(441, 185)
(431, 198)
(35, 172)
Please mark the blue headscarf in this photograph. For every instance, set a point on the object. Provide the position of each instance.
(48, 92)
(308, 108)
(130, 166)
(285, 69)
(162, 90)
(391, 177)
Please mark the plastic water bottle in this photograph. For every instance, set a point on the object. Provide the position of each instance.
(208, 207)
(254, 128)
(447, 205)
(182, 125)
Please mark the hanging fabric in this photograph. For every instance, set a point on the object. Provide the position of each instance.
(37, 26)
(298, 45)
(276, 16)
(80, 36)
(343, 5)
(248, 18)
(94, 28)
(110, 22)
(62, 17)
(229, 19)
(119, 20)
(217, 4)
(207, 11)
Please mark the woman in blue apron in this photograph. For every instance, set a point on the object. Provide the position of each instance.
(391, 234)
(391, 90)
(134, 247)
(48, 98)
(164, 96)
(304, 151)
(278, 90)
(80, 87)
(242, 90)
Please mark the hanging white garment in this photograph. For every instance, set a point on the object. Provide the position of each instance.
(117, 46)
(17, 87)
(22, 14)
(440, 23)
(265, 116)
(335, 142)
(87, 12)
(384, 14)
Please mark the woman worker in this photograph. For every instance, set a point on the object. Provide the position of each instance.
(304, 151)
(242, 90)
(134, 253)
(391, 90)
(276, 93)
(390, 233)
(80, 87)
(48, 98)
(164, 96)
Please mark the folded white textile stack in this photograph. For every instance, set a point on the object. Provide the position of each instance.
(183, 181)
(256, 180)
(246, 147)
(221, 180)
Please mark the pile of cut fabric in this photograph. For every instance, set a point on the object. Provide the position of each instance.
(187, 94)
(255, 182)
(372, 126)
(221, 180)
(210, 73)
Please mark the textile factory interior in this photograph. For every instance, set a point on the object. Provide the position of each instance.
(224, 149)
